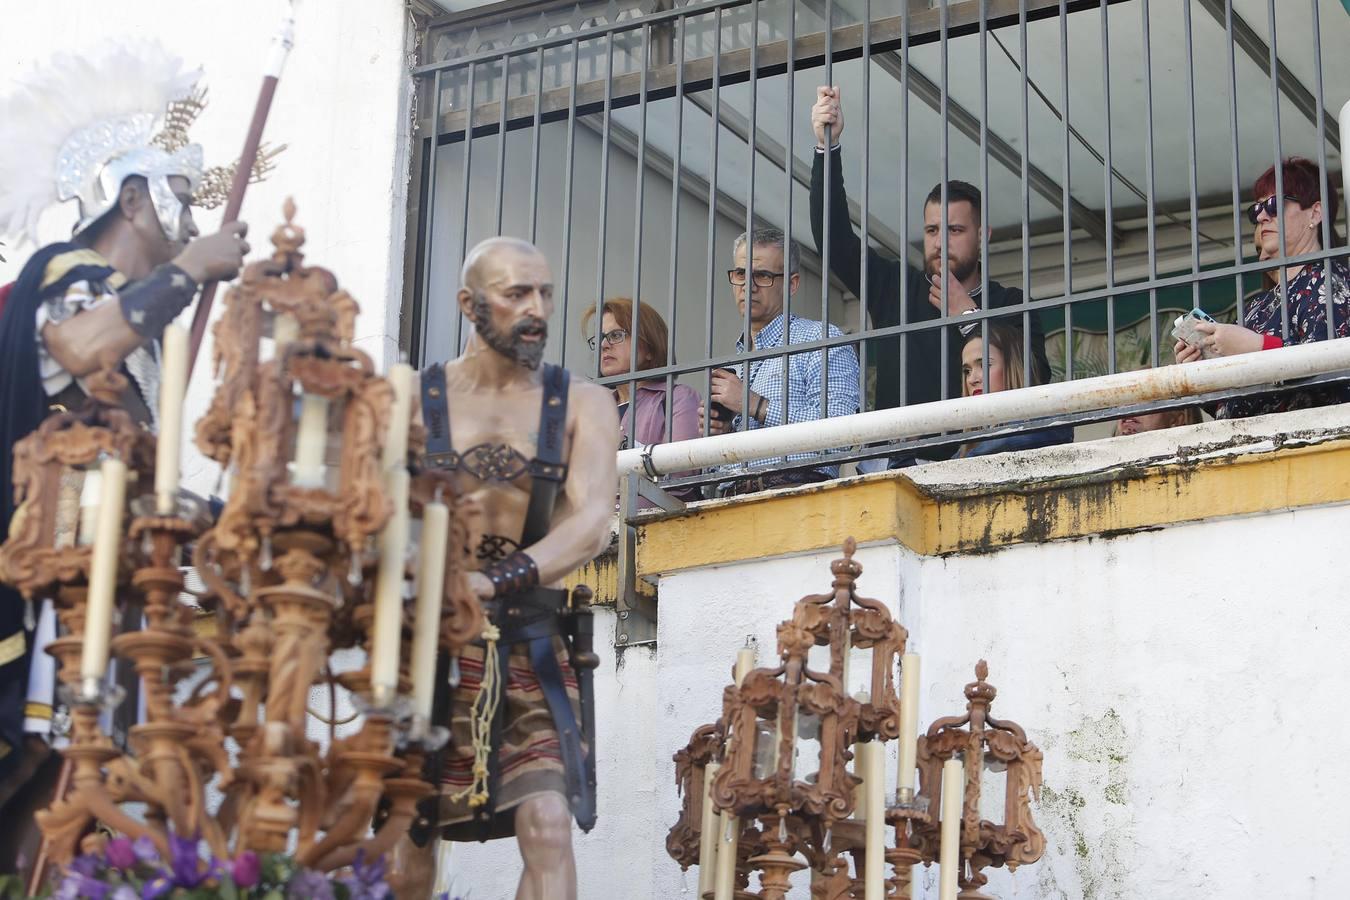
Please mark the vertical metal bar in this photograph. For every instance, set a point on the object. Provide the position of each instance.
(1110, 179)
(637, 238)
(944, 149)
(1154, 336)
(866, 193)
(825, 261)
(464, 194)
(1026, 194)
(1322, 165)
(566, 280)
(1191, 153)
(428, 243)
(536, 138)
(501, 143)
(604, 196)
(1238, 239)
(1279, 173)
(676, 166)
(716, 118)
(791, 75)
(746, 411)
(984, 194)
(1066, 221)
(904, 207)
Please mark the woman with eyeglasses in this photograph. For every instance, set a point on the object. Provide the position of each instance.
(1309, 285)
(642, 422)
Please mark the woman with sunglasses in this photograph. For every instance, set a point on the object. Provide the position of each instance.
(1309, 286)
(642, 421)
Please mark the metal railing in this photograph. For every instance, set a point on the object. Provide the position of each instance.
(652, 140)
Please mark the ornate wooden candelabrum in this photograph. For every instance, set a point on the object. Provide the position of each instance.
(770, 776)
(984, 745)
(299, 424)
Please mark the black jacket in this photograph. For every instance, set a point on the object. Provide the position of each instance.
(921, 350)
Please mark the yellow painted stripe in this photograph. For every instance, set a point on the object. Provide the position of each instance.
(872, 511)
(602, 577)
(978, 518)
(59, 265)
(12, 647)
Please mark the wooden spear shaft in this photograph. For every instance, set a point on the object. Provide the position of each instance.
(235, 201)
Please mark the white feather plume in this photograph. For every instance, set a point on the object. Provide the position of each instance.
(69, 93)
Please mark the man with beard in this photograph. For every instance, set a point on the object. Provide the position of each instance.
(920, 351)
(536, 453)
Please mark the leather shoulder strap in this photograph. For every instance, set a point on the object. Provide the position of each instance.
(436, 418)
(547, 469)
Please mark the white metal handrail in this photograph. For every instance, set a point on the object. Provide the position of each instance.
(1005, 407)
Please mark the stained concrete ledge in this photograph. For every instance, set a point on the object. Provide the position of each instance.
(1104, 487)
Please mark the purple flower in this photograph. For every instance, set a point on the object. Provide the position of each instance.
(144, 848)
(306, 884)
(366, 881)
(85, 865)
(120, 854)
(246, 869)
(189, 870)
(124, 892)
(75, 886)
(156, 887)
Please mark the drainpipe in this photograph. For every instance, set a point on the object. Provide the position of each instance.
(961, 413)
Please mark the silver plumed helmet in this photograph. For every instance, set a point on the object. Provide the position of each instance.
(92, 120)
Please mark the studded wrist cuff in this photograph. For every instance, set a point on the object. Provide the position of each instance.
(156, 300)
(513, 575)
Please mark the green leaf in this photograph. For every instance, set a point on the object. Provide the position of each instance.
(274, 894)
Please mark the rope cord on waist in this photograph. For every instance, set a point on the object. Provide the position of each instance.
(484, 710)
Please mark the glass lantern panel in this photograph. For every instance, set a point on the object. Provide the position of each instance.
(766, 748)
(806, 751)
(993, 790)
(278, 330)
(315, 445)
(76, 507)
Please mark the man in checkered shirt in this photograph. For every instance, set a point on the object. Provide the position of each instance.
(782, 389)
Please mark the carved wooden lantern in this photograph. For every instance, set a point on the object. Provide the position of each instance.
(55, 477)
(790, 729)
(996, 823)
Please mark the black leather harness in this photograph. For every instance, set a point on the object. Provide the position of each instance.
(532, 618)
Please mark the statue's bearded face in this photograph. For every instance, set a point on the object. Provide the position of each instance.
(522, 340)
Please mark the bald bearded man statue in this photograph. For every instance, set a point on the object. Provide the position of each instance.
(536, 451)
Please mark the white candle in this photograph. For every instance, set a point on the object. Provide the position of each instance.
(89, 494)
(949, 854)
(909, 722)
(285, 330)
(396, 446)
(728, 842)
(168, 449)
(745, 661)
(872, 764)
(707, 834)
(729, 827)
(386, 629)
(103, 574)
(430, 588)
(311, 441)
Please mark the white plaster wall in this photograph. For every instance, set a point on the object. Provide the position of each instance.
(1182, 683)
(342, 109)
